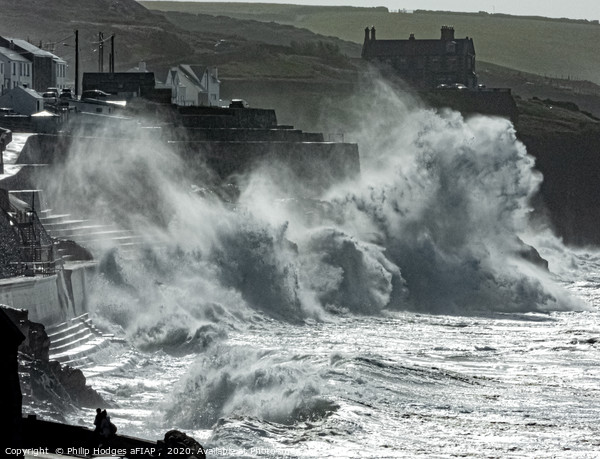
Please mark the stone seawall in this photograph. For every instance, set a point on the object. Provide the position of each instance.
(49, 299)
(316, 164)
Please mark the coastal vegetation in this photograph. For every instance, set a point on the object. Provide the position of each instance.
(555, 48)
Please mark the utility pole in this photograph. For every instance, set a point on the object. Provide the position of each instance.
(76, 63)
(111, 61)
(101, 52)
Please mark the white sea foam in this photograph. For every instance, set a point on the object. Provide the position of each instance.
(434, 224)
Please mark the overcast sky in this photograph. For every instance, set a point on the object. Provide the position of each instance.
(575, 9)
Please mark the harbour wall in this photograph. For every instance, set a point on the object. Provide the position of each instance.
(50, 299)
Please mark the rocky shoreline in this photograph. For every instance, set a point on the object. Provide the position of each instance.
(48, 385)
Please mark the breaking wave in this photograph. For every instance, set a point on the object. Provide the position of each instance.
(434, 223)
(234, 381)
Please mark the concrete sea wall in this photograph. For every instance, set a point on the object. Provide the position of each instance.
(49, 299)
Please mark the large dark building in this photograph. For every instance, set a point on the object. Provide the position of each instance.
(425, 63)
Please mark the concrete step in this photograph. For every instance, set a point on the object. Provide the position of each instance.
(54, 328)
(46, 217)
(72, 342)
(72, 336)
(64, 224)
(59, 337)
(84, 349)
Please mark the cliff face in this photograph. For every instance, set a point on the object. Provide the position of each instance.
(566, 145)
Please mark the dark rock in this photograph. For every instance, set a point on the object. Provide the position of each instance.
(48, 381)
(530, 254)
(67, 247)
(178, 444)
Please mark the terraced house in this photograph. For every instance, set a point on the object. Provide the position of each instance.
(26, 65)
(15, 70)
(428, 63)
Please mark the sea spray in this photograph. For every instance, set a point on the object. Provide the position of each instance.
(231, 381)
(432, 224)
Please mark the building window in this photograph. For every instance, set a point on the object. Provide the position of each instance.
(14, 66)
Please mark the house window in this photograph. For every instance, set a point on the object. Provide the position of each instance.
(14, 66)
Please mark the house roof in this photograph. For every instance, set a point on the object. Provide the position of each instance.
(23, 44)
(401, 48)
(32, 92)
(193, 73)
(12, 54)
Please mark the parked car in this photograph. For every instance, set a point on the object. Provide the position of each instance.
(50, 96)
(7, 111)
(94, 94)
(238, 103)
(66, 94)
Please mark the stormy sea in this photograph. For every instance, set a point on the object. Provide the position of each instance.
(416, 310)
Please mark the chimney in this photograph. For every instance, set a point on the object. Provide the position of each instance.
(142, 66)
(412, 36)
(373, 33)
(447, 33)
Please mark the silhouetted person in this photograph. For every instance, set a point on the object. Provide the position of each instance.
(97, 422)
(107, 428)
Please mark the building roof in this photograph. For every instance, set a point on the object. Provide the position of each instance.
(23, 44)
(32, 92)
(193, 73)
(13, 55)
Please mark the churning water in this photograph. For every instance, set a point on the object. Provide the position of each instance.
(393, 315)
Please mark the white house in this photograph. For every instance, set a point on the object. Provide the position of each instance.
(194, 85)
(49, 70)
(15, 70)
(24, 101)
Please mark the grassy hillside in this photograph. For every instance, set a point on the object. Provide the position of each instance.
(257, 31)
(543, 46)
